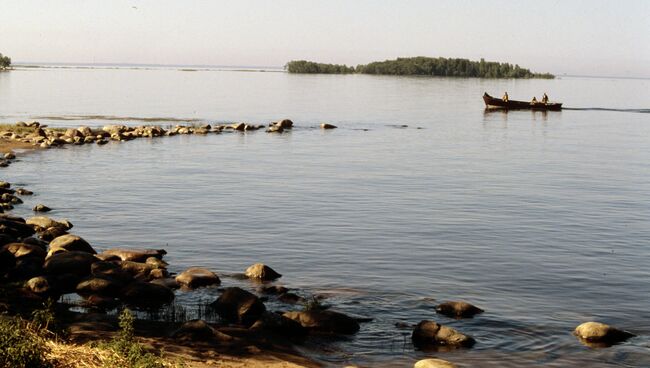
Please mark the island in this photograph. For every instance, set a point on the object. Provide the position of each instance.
(5, 62)
(421, 65)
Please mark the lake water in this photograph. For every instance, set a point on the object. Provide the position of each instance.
(541, 219)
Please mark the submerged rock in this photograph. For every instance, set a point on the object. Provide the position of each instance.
(262, 272)
(238, 305)
(146, 295)
(41, 208)
(458, 309)
(280, 325)
(195, 277)
(432, 333)
(325, 321)
(328, 126)
(596, 332)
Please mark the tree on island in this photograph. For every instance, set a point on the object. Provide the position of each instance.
(5, 62)
(443, 67)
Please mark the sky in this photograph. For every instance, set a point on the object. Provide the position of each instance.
(595, 37)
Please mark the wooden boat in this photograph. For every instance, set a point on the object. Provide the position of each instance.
(497, 103)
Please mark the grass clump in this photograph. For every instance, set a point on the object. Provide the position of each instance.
(22, 345)
(128, 352)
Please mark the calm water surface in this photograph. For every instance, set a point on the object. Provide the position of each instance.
(542, 219)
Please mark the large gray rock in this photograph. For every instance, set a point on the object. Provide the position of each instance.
(325, 321)
(195, 277)
(135, 255)
(238, 305)
(146, 295)
(69, 242)
(73, 262)
(428, 333)
(458, 309)
(596, 332)
(262, 272)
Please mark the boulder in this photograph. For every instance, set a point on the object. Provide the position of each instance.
(167, 282)
(16, 229)
(4, 184)
(52, 233)
(139, 271)
(135, 255)
(20, 250)
(146, 295)
(596, 332)
(195, 277)
(284, 124)
(328, 126)
(69, 242)
(99, 286)
(291, 298)
(73, 262)
(39, 285)
(238, 305)
(41, 208)
(325, 321)
(280, 325)
(156, 262)
(273, 290)
(26, 268)
(262, 272)
(100, 301)
(158, 273)
(458, 309)
(7, 261)
(45, 222)
(199, 331)
(275, 129)
(429, 333)
(433, 363)
(22, 191)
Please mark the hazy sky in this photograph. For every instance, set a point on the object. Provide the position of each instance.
(592, 37)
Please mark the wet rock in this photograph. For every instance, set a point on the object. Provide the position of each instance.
(280, 325)
(39, 285)
(167, 282)
(7, 261)
(100, 301)
(596, 332)
(275, 129)
(99, 286)
(199, 331)
(85, 131)
(262, 272)
(238, 126)
(156, 263)
(291, 298)
(26, 268)
(458, 309)
(20, 250)
(52, 233)
(238, 305)
(10, 156)
(69, 242)
(73, 262)
(428, 333)
(140, 271)
(45, 222)
(23, 191)
(158, 273)
(284, 124)
(195, 277)
(325, 321)
(41, 208)
(146, 295)
(4, 184)
(433, 363)
(135, 255)
(273, 289)
(328, 126)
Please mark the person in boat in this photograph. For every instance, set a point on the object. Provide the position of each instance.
(505, 97)
(545, 98)
(534, 101)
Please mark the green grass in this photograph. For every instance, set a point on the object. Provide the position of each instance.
(21, 345)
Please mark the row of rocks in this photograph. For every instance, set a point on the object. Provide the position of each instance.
(45, 137)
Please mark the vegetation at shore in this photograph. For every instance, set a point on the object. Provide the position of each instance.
(443, 67)
(5, 62)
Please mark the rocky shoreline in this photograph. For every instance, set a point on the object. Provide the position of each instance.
(41, 259)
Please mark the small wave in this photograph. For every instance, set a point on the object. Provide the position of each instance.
(113, 118)
(642, 111)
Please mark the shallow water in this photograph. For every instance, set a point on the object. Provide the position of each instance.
(539, 218)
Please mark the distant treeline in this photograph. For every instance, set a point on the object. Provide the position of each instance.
(5, 62)
(443, 67)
